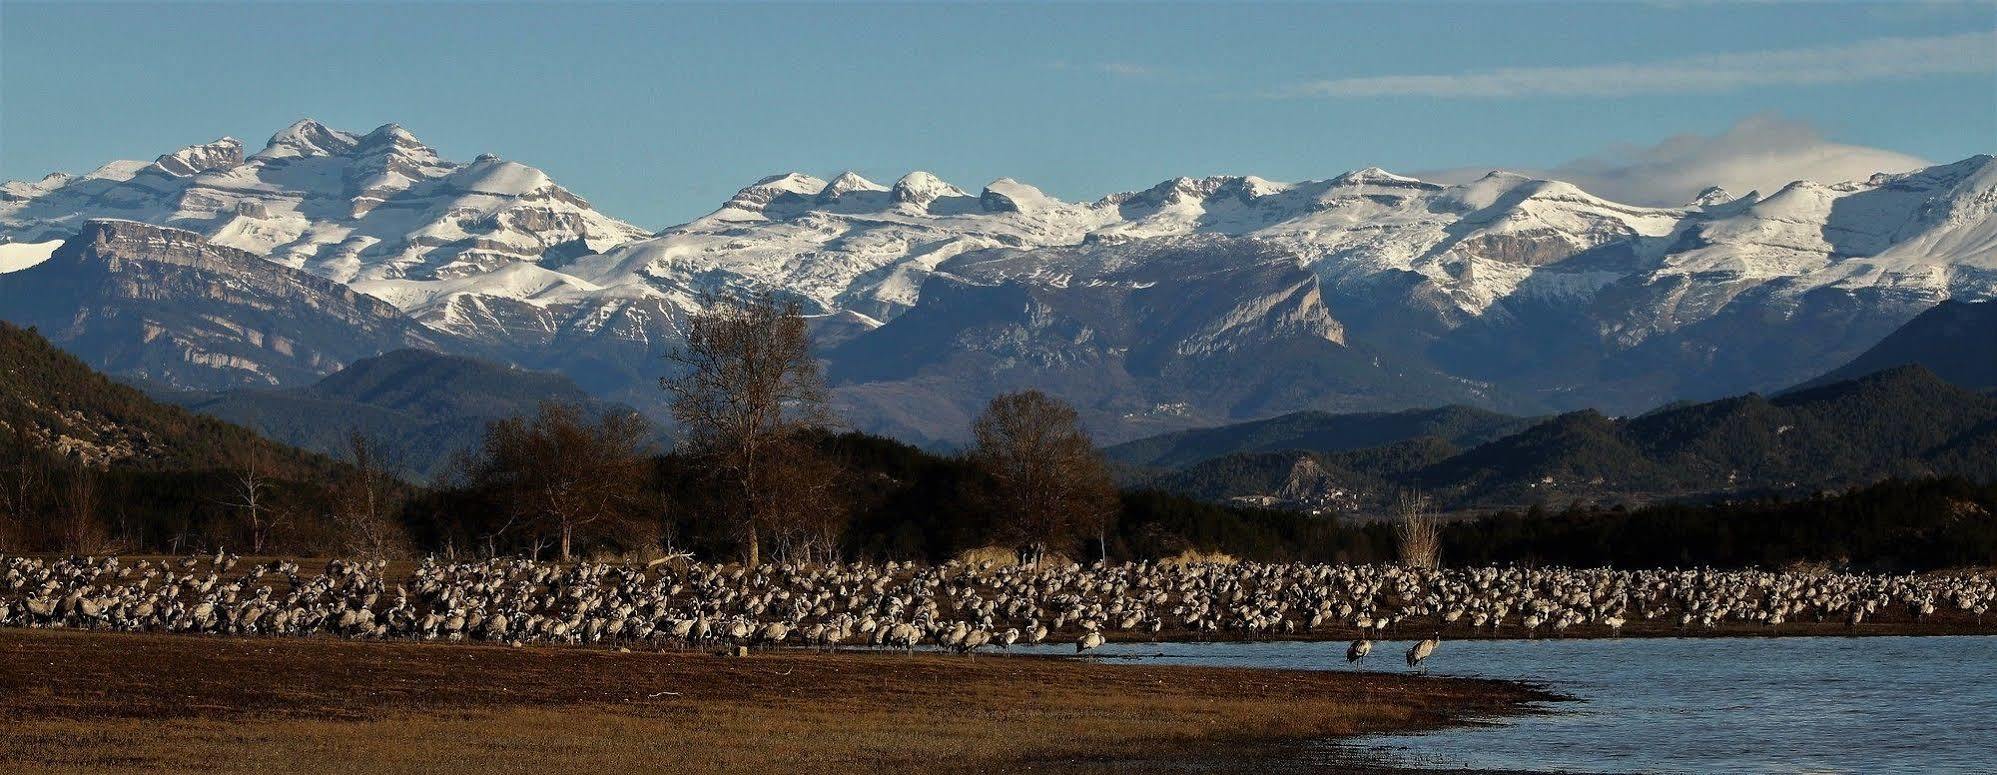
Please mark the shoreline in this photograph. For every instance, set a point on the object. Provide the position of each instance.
(79, 701)
(1938, 625)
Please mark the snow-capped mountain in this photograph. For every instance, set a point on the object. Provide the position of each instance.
(852, 244)
(1147, 334)
(1196, 300)
(379, 212)
(355, 208)
(855, 245)
(1516, 292)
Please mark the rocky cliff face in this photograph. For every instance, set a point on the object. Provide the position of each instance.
(167, 305)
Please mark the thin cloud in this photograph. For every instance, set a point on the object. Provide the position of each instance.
(1760, 153)
(1870, 60)
(1128, 69)
(1116, 69)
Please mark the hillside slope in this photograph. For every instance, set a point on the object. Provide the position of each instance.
(1956, 340)
(1900, 423)
(1462, 426)
(58, 404)
(422, 407)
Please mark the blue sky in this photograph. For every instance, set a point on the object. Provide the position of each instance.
(657, 113)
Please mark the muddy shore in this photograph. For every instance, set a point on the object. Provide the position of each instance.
(104, 702)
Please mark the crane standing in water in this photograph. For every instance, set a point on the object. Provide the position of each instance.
(1419, 653)
(1357, 652)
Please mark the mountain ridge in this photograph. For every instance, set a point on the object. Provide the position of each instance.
(168, 306)
(420, 407)
(1318, 431)
(1904, 422)
(1955, 340)
(1507, 292)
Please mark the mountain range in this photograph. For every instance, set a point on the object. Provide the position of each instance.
(421, 408)
(1933, 373)
(1903, 422)
(1199, 301)
(1461, 426)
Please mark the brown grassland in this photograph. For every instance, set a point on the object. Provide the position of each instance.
(77, 702)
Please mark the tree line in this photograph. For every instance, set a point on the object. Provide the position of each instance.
(762, 471)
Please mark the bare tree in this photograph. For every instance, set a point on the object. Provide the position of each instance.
(802, 499)
(748, 386)
(566, 475)
(1417, 530)
(365, 503)
(249, 493)
(24, 482)
(80, 528)
(1046, 481)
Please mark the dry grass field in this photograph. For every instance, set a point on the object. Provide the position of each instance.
(75, 702)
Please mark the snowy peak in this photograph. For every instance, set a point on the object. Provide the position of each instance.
(392, 135)
(1971, 181)
(1253, 187)
(221, 154)
(388, 160)
(1186, 191)
(918, 190)
(1374, 176)
(847, 182)
(22, 191)
(780, 197)
(1182, 190)
(1713, 196)
(1006, 195)
(1473, 247)
(755, 200)
(307, 138)
(493, 175)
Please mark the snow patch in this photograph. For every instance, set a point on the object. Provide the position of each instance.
(16, 256)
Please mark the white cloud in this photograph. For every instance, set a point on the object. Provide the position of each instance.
(1761, 153)
(1878, 59)
(1128, 69)
(1117, 69)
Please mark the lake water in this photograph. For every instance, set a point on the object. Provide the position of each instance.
(1685, 705)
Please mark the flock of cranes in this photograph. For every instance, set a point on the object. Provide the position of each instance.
(956, 606)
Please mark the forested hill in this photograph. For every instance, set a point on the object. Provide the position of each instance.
(1956, 340)
(421, 407)
(1319, 431)
(1903, 422)
(52, 403)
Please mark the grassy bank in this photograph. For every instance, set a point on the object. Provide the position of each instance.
(93, 702)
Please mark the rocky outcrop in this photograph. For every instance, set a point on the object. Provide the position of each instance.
(168, 306)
